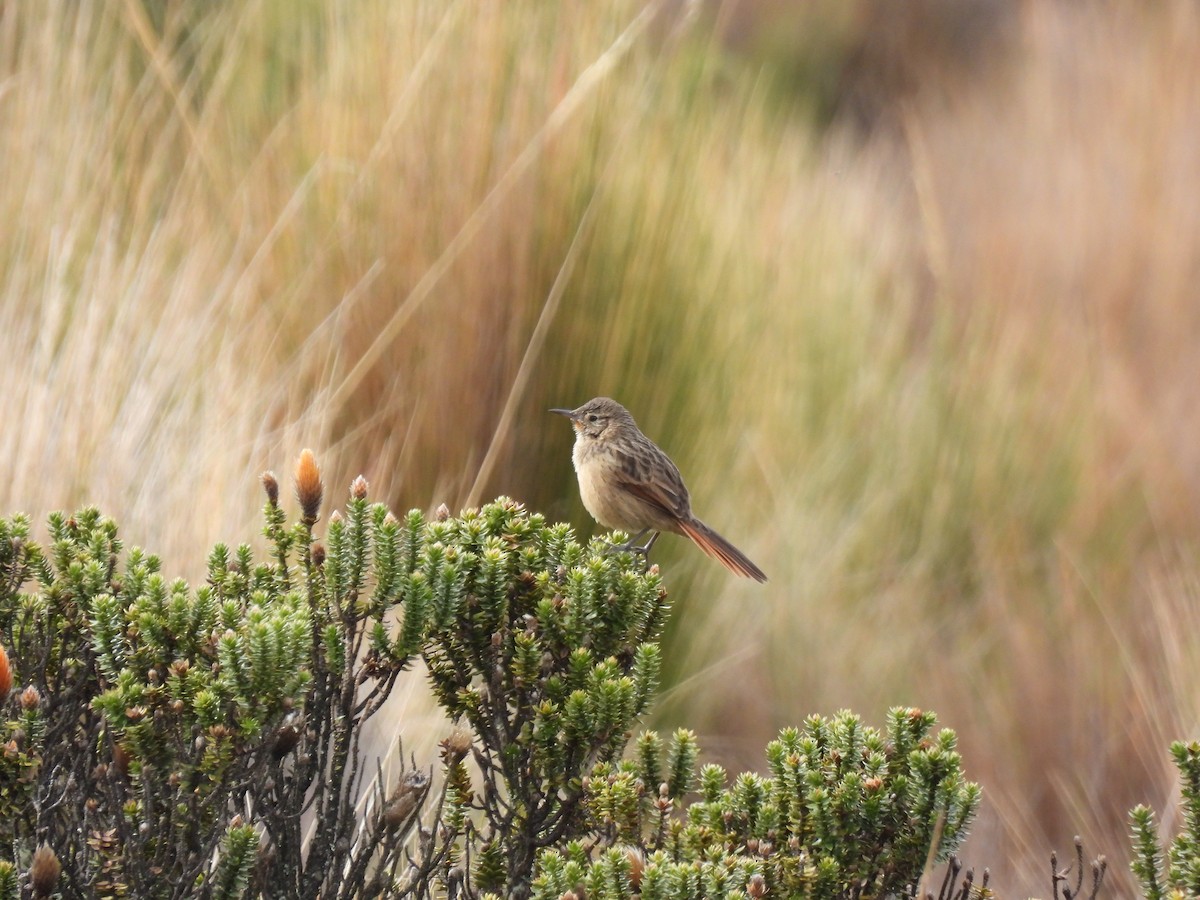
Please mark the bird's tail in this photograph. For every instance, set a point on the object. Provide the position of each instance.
(721, 550)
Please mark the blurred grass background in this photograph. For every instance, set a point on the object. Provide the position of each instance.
(908, 293)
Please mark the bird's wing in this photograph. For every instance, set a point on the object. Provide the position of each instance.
(648, 474)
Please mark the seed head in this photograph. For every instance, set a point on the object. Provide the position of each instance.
(30, 699)
(44, 871)
(271, 485)
(358, 488)
(456, 745)
(121, 758)
(637, 866)
(286, 739)
(409, 793)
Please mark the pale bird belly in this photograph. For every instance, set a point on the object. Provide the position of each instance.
(611, 505)
(608, 506)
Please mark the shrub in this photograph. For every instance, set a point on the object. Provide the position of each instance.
(166, 741)
(1178, 873)
(847, 811)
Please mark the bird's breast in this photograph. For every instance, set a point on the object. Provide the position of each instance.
(602, 489)
(604, 499)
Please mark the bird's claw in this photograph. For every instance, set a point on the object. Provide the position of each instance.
(632, 546)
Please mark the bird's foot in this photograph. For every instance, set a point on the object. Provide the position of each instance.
(632, 546)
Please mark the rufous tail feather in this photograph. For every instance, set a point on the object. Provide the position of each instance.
(721, 550)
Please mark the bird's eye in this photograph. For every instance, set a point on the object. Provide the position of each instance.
(592, 417)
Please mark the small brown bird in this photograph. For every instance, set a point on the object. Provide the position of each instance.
(628, 484)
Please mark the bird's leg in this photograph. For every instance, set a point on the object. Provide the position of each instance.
(632, 545)
(644, 550)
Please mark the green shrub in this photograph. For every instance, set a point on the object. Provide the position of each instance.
(1178, 874)
(847, 811)
(161, 740)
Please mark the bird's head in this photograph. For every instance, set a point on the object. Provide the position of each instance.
(598, 419)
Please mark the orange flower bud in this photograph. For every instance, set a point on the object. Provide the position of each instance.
(6, 675)
(309, 488)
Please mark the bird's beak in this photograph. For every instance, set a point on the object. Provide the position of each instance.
(573, 415)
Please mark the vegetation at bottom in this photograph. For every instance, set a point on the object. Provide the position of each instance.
(1174, 873)
(161, 740)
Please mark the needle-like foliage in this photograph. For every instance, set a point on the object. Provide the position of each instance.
(168, 741)
(1175, 873)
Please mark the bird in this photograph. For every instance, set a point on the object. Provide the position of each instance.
(629, 484)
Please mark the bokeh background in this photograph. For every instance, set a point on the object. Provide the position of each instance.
(908, 290)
